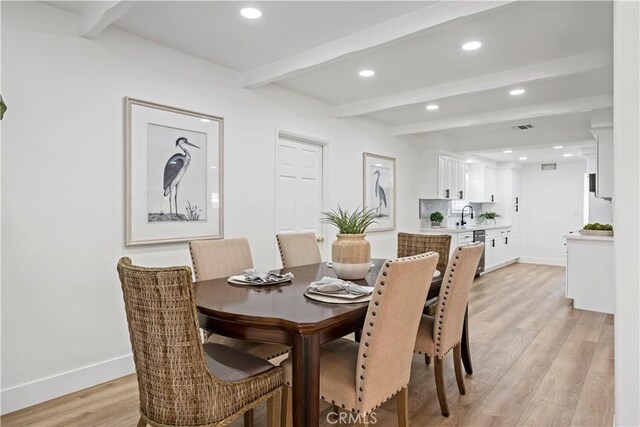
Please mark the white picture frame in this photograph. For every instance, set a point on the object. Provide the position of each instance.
(173, 157)
(379, 189)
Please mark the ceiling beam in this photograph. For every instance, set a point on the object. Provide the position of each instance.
(545, 70)
(96, 16)
(377, 35)
(563, 107)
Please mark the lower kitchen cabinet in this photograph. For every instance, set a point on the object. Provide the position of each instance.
(502, 247)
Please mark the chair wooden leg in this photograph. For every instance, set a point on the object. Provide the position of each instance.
(248, 418)
(427, 360)
(457, 363)
(286, 412)
(402, 401)
(142, 422)
(273, 410)
(442, 394)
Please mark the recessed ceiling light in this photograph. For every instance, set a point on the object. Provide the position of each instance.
(557, 147)
(251, 13)
(472, 45)
(567, 155)
(367, 73)
(523, 158)
(432, 107)
(469, 161)
(516, 92)
(205, 120)
(507, 151)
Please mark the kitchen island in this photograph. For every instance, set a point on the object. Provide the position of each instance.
(590, 281)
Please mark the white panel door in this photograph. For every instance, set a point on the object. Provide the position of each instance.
(299, 187)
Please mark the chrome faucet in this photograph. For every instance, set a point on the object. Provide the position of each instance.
(462, 221)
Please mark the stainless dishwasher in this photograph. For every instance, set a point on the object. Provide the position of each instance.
(479, 236)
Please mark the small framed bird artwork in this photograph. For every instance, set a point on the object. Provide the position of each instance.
(379, 190)
(173, 174)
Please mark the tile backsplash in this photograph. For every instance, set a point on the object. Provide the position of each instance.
(446, 207)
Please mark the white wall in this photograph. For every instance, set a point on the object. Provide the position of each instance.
(63, 323)
(551, 205)
(626, 206)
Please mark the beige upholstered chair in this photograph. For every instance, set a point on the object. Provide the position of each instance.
(213, 259)
(362, 376)
(414, 244)
(181, 381)
(438, 335)
(298, 249)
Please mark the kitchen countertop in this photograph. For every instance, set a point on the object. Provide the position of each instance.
(578, 236)
(466, 229)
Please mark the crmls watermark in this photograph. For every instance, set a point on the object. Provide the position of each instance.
(349, 418)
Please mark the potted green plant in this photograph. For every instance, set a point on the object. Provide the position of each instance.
(351, 253)
(488, 216)
(597, 229)
(436, 219)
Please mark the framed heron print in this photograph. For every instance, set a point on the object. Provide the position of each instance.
(380, 190)
(173, 174)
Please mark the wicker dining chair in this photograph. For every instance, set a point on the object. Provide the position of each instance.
(298, 249)
(441, 333)
(181, 381)
(214, 259)
(360, 377)
(413, 244)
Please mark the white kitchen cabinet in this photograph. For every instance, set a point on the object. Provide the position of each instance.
(442, 176)
(604, 162)
(501, 248)
(508, 196)
(482, 184)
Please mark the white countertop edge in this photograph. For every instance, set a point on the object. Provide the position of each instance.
(578, 236)
(464, 230)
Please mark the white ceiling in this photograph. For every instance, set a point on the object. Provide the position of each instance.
(214, 30)
(560, 52)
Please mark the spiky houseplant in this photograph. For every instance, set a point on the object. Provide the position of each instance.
(488, 216)
(346, 222)
(351, 253)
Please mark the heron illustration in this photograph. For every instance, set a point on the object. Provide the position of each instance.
(380, 195)
(174, 170)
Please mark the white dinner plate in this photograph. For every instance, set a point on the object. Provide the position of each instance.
(240, 280)
(337, 300)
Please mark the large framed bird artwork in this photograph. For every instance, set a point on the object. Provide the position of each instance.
(174, 173)
(379, 177)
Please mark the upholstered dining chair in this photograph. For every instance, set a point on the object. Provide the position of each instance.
(360, 377)
(181, 381)
(298, 249)
(440, 334)
(214, 259)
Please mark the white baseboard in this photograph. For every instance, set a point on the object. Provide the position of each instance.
(41, 390)
(544, 261)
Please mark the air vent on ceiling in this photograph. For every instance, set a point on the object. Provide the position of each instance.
(523, 127)
(548, 166)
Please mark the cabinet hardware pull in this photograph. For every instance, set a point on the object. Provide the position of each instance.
(517, 201)
(446, 193)
(506, 240)
(516, 208)
(493, 243)
(492, 198)
(461, 194)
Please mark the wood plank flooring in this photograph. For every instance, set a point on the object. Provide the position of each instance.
(537, 362)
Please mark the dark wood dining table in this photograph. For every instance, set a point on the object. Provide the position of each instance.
(282, 314)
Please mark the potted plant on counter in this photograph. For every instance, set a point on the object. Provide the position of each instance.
(597, 229)
(488, 216)
(351, 253)
(436, 219)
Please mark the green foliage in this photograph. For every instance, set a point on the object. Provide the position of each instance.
(599, 227)
(488, 215)
(436, 217)
(346, 222)
(3, 107)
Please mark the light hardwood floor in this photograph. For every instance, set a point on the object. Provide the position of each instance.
(537, 362)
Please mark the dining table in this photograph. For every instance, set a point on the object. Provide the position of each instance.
(282, 314)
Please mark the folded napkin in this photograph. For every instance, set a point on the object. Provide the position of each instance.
(333, 286)
(253, 275)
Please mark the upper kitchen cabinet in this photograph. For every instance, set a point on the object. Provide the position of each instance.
(604, 161)
(482, 184)
(442, 176)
